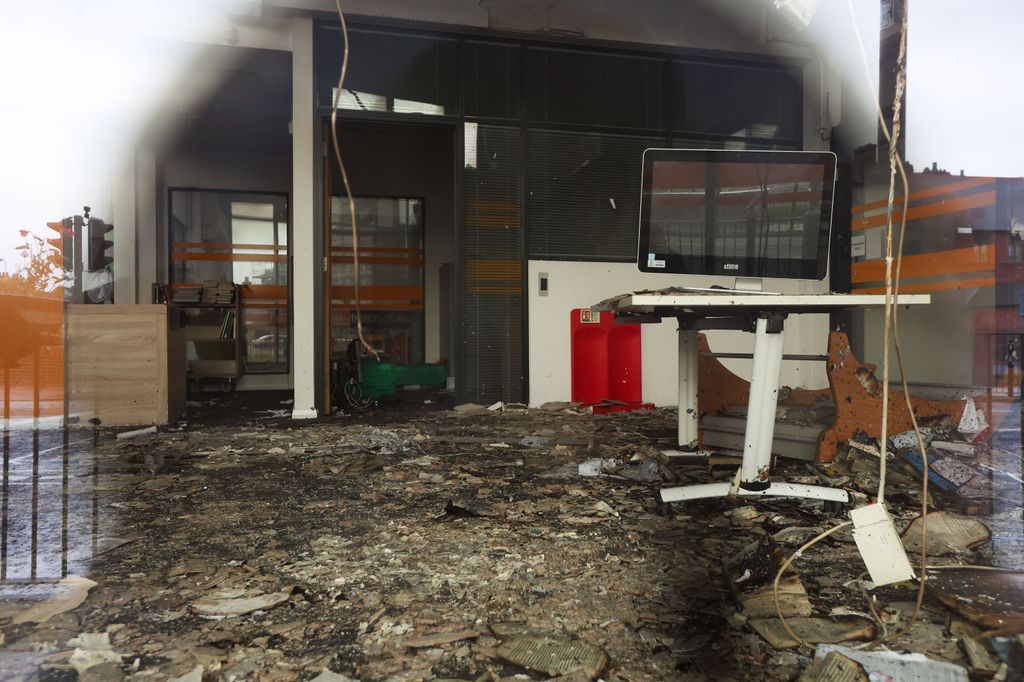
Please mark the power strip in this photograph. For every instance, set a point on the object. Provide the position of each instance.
(879, 545)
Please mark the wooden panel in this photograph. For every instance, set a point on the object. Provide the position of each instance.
(118, 363)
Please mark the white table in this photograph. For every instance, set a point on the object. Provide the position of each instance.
(764, 315)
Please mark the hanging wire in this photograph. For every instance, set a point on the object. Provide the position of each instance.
(348, 188)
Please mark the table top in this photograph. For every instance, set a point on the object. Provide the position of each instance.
(671, 303)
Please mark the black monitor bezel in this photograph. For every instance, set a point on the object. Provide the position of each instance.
(806, 268)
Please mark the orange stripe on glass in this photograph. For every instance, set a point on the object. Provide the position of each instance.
(504, 270)
(231, 257)
(925, 193)
(929, 210)
(378, 293)
(955, 261)
(379, 260)
(377, 306)
(927, 287)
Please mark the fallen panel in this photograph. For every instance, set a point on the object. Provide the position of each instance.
(991, 598)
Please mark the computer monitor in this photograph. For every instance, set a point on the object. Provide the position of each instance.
(747, 214)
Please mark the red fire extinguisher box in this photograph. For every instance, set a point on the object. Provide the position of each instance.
(606, 360)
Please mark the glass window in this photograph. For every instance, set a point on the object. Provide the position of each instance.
(583, 194)
(493, 244)
(389, 72)
(240, 238)
(490, 77)
(591, 88)
(736, 101)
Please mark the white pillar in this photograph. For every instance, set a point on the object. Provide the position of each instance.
(148, 249)
(125, 221)
(305, 273)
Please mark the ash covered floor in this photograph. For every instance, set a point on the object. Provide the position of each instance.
(447, 545)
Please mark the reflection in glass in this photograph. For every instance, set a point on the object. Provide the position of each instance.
(240, 238)
(390, 276)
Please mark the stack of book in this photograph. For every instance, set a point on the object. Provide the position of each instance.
(187, 293)
(218, 293)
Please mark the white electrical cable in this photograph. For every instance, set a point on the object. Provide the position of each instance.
(348, 187)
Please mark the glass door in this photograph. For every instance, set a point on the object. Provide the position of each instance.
(390, 276)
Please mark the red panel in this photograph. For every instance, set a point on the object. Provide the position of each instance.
(606, 362)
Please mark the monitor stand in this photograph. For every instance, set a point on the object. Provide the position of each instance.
(742, 285)
(752, 285)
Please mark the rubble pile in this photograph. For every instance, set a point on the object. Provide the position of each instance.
(513, 544)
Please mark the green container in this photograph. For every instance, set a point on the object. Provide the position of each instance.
(428, 376)
(382, 378)
(378, 380)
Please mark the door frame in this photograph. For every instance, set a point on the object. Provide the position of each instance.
(322, 332)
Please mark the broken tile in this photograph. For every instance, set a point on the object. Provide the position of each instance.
(554, 655)
(814, 630)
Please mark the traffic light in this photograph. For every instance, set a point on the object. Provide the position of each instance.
(62, 253)
(98, 245)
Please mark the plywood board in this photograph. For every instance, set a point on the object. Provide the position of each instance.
(117, 359)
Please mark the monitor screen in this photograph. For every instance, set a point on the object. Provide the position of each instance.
(736, 213)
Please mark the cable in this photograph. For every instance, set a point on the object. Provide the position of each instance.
(782, 569)
(348, 187)
(892, 288)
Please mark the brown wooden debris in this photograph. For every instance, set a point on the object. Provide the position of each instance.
(993, 599)
(834, 667)
(793, 600)
(439, 638)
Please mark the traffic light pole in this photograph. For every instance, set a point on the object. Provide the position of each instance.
(78, 259)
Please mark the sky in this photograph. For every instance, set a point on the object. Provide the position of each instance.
(80, 81)
(965, 99)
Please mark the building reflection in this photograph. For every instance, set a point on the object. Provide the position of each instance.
(50, 517)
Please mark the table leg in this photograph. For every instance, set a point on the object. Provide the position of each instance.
(764, 397)
(688, 381)
(757, 445)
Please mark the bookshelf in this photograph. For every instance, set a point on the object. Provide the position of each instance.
(212, 313)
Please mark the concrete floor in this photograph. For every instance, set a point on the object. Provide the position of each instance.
(413, 548)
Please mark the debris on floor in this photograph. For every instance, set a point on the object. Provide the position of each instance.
(68, 594)
(818, 630)
(947, 533)
(991, 598)
(896, 667)
(504, 544)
